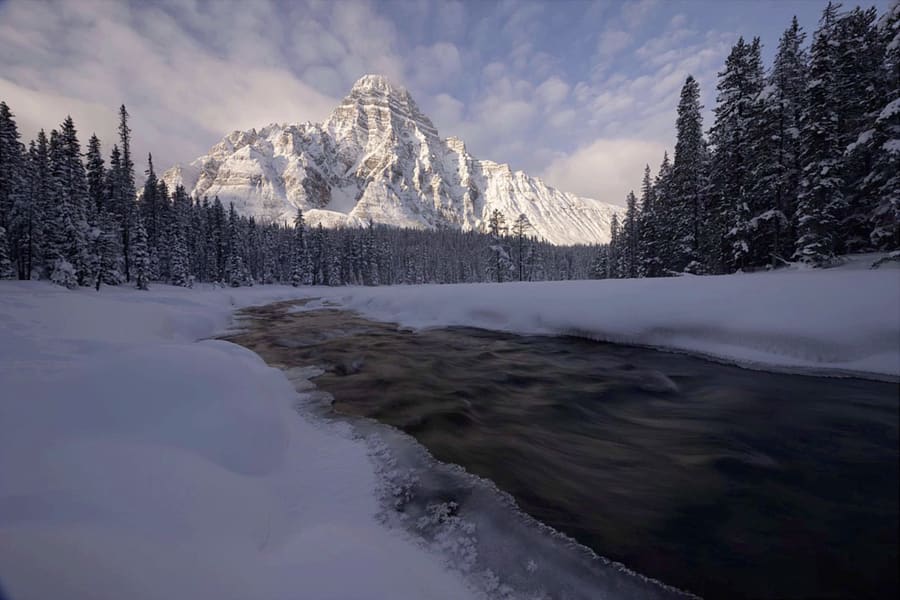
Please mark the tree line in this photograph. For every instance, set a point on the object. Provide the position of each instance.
(76, 219)
(802, 163)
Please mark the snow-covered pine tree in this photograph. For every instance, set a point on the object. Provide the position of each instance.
(501, 263)
(123, 200)
(331, 260)
(179, 265)
(598, 263)
(25, 221)
(41, 209)
(614, 249)
(109, 249)
(521, 227)
(860, 93)
(149, 205)
(372, 276)
(12, 182)
(883, 181)
(141, 256)
(733, 157)
(687, 181)
(649, 239)
(300, 261)
(269, 251)
(820, 201)
(236, 272)
(6, 268)
(775, 172)
(665, 214)
(96, 176)
(629, 240)
(68, 248)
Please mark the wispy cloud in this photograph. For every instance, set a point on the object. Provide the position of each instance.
(581, 91)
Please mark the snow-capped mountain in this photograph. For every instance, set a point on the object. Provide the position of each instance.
(378, 158)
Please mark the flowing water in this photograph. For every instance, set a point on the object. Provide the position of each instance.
(726, 482)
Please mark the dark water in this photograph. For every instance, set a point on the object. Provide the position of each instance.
(726, 482)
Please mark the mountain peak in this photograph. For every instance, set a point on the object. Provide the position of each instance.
(375, 82)
(379, 158)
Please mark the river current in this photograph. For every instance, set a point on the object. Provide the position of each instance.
(723, 481)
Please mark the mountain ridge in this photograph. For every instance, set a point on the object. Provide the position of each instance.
(378, 157)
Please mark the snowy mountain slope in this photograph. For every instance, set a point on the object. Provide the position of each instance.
(378, 157)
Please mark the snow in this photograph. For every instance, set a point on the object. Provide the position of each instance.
(837, 321)
(378, 157)
(139, 463)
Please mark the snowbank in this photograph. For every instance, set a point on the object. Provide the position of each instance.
(835, 321)
(138, 463)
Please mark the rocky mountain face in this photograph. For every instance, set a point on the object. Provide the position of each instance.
(378, 158)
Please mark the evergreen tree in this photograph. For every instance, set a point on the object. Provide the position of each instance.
(820, 201)
(520, 229)
(150, 205)
(370, 256)
(883, 181)
(12, 194)
(96, 177)
(6, 269)
(734, 156)
(775, 173)
(301, 269)
(629, 255)
(236, 273)
(141, 257)
(650, 241)
(124, 191)
(614, 250)
(501, 264)
(860, 92)
(687, 181)
(36, 217)
(179, 265)
(11, 159)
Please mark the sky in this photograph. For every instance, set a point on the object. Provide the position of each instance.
(581, 93)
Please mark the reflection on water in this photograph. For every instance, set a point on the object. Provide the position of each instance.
(726, 482)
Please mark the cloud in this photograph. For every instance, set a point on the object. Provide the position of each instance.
(552, 91)
(189, 72)
(433, 65)
(612, 42)
(605, 169)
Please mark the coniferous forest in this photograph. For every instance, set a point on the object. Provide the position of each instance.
(801, 163)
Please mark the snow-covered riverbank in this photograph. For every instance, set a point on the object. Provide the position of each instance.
(136, 462)
(836, 321)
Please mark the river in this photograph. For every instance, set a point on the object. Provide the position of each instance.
(723, 481)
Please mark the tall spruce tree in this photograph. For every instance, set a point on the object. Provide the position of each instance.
(629, 255)
(300, 269)
(883, 181)
(649, 242)
(141, 256)
(733, 158)
(775, 173)
(12, 192)
(124, 198)
(687, 203)
(860, 92)
(821, 200)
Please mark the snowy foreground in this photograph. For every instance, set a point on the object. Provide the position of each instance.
(841, 321)
(139, 462)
